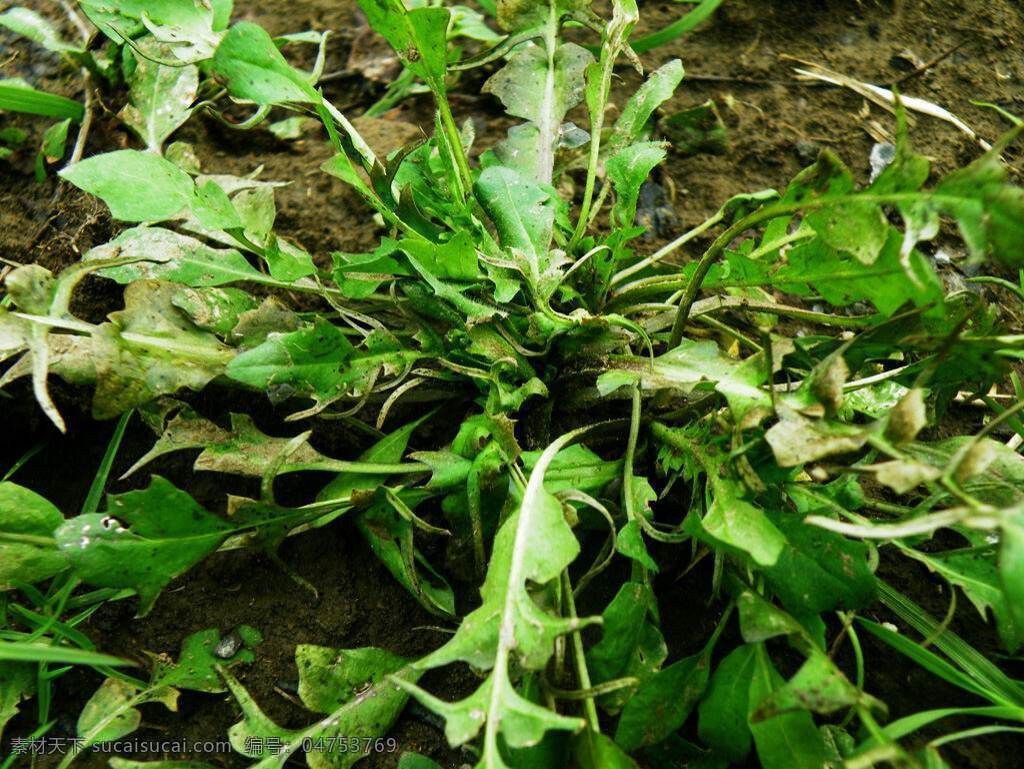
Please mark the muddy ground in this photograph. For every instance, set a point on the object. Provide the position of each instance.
(776, 126)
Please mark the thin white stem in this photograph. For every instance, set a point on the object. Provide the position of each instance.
(665, 250)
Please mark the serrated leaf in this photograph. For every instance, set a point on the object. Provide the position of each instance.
(113, 710)
(303, 363)
(663, 702)
(253, 69)
(976, 572)
(818, 570)
(518, 555)
(329, 678)
(533, 546)
(160, 96)
(760, 620)
(455, 260)
(736, 523)
(522, 212)
(655, 91)
(628, 169)
(356, 691)
(242, 450)
(818, 687)
(858, 228)
(593, 750)
(108, 715)
(149, 349)
(630, 543)
(997, 481)
(903, 476)
(520, 722)
(144, 540)
(286, 261)
(889, 283)
(17, 682)
(989, 211)
(796, 440)
(219, 310)
(168, 255)
(194, 27)
(257, 210)
(541, 89)
(390, 536)
(525, 14)
(202, 653)
(682, 369)
(622, 623)
(419, 37)
(53, 146)
(136, 186)
(292, 128)
(575, 467)
(388, 450)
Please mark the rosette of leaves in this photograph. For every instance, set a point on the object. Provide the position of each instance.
(509, 630)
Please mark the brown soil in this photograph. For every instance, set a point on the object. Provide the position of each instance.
(776, 125)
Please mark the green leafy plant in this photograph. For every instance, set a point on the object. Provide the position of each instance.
(765, 405)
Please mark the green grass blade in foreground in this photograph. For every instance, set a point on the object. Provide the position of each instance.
(26, 651)
(18, 98)
(995, 683)
(912, 723)
(92, 499)
(678, 28)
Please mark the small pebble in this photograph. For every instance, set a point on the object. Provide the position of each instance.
(882, 156)
(229, 646)
(806, 151)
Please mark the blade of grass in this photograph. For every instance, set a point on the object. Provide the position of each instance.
(966, 657)
(33, 102)
(678, 28)
(20, 651)
(99, 482)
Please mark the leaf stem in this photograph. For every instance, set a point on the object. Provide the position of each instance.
(781, 208)
(607, 64)
(516, 576)
(451, 132)
(664, 251)
(627, 471)
(579, 657)
(547, 126)
(719, 303)
(366, 468)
